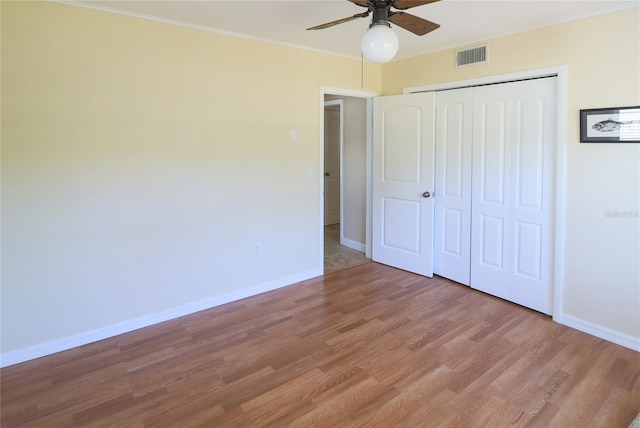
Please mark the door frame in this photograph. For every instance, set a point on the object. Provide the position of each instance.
(368, 95)
(560, 72)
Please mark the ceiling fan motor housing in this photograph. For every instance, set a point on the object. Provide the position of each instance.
(380, 11)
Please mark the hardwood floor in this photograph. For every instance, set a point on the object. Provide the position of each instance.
(365, 346)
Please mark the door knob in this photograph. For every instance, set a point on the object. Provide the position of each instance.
(426, 195)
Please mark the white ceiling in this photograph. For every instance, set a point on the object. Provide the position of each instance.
(463, 22)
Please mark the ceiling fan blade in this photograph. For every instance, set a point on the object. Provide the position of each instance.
(363, 3)
(408, 4)
(412, 23)
(339, 21)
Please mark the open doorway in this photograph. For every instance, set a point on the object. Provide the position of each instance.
(345, 181)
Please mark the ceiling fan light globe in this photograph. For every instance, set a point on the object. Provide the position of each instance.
(380, 44)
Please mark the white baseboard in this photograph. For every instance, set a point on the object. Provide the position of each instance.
(48, 348)
(599, 331)
(353, 245)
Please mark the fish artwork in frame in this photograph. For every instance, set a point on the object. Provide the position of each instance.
(610, 125)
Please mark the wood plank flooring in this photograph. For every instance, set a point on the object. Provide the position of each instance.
(367, 346)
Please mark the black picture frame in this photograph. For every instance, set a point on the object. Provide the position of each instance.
(610, 125)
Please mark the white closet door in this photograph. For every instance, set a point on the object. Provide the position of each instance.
(403, 176)
(513, 192)
(452, 218)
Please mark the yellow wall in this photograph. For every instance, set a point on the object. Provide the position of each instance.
(602, 55)
(142, 161)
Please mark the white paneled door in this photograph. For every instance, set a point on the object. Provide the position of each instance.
(514, 191)
(452, 231)
(495, 189)
(491, 223)
(332, 137)
(403, 182)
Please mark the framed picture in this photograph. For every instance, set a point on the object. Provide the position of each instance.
(610, 125)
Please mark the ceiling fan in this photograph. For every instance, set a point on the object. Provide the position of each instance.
(380, 43)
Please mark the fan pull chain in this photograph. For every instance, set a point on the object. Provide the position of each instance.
(361, 70)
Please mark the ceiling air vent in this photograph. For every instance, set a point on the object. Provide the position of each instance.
(471, 56)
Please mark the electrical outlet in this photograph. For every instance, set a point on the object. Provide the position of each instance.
(256, 249)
